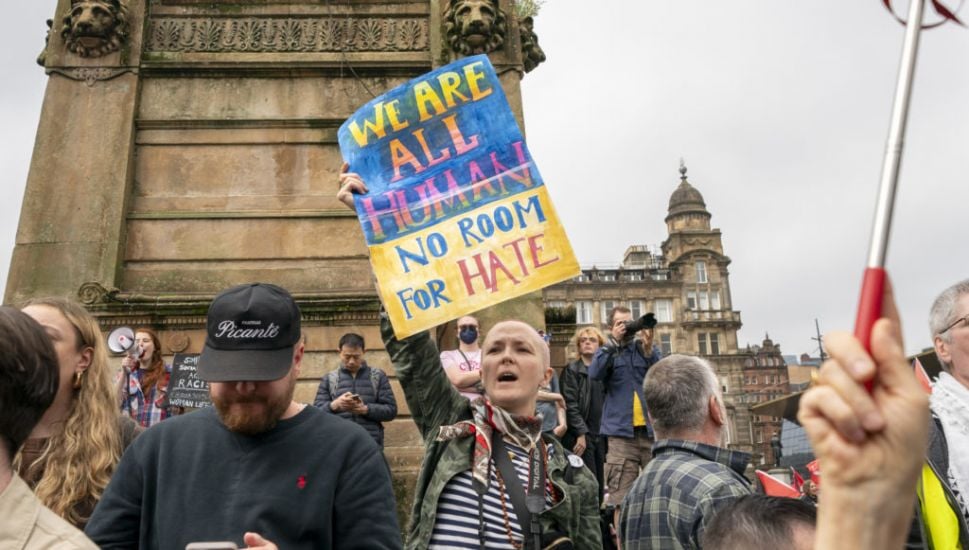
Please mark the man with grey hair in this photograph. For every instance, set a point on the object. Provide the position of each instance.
(690, 476)
(944, 520)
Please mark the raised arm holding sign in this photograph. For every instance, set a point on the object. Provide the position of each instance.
(454, 210)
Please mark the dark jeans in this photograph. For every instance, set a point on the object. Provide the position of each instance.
(594, 458)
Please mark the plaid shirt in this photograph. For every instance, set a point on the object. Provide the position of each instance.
(149, 409)
(676, 495)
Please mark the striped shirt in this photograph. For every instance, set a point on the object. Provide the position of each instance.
(457, 509)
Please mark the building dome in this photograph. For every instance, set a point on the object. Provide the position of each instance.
(686, 198)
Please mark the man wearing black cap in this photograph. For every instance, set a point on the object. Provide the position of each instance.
(259, 469)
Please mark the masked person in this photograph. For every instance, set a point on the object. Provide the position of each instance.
(463, 365)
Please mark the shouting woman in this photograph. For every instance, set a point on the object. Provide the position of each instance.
(144, 381)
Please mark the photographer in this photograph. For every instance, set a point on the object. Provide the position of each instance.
(621, 365)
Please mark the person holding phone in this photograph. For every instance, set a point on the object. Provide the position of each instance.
(356, 391)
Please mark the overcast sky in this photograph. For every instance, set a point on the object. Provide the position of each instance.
(779, 108)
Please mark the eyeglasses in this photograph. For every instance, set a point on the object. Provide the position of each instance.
(960, 320)
(585, 339)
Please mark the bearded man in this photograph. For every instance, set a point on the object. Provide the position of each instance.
(258, 469)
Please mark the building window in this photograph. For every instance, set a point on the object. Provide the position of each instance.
(607, 306)
(607, 277)
(715, 300)
(701, 343)
(701, 272)
(714, 343)
(664, 311)
(582, 278)
(583, 313)
(691, 300)
(660, 276)
(638, 308)
(634, 276)
(556, 304)
(666, 344)
(704, 302)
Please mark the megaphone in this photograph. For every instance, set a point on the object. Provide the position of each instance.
(121, 339)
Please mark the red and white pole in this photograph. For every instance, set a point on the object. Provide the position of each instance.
(870, 304)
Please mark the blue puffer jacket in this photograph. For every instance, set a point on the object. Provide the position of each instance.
(382, 407)
(621, 369)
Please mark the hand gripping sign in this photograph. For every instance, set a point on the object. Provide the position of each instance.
(457, 217)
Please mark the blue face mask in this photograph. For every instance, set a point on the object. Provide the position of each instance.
(468, 335)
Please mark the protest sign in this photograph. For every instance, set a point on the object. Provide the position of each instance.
(186, 389)
(457, 217)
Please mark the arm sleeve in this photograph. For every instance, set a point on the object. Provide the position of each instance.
(116, 521)
(365, 491)
(432, 400)
(323, 397)
(570, 391)
(384, 409)
(601, 363)
(589, 534)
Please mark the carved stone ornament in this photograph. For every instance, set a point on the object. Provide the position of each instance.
(287, 35)
(42, 58)
(474, 26)
(178, 341)
(95, 293)
(532, 53)
(90, 75)
(94, 28)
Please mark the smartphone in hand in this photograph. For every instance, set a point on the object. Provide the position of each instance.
(213, 545)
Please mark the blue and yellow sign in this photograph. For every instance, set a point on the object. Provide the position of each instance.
(457, 217)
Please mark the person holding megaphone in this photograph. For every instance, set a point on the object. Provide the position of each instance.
(145, 377)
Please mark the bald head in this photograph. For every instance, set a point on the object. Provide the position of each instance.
(525, 331)
(514, 364)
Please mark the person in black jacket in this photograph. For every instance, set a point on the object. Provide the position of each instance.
(356, 391)
(258, 469)
(583, 404)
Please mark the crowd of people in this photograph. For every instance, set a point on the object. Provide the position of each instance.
(624, 449)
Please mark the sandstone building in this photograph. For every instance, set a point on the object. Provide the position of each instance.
(686, 283)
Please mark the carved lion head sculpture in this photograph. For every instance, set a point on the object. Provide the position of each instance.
(95, 27)
(532, 53)
(474, 26)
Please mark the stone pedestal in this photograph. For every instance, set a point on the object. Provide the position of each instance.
(196, 149)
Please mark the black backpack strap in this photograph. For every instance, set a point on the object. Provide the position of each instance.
(513, 485)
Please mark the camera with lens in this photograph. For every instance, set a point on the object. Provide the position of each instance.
(635, 325)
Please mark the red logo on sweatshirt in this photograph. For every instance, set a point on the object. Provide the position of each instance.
(301, 482)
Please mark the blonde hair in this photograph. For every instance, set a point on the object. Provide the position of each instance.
(582, 332)
(80, 458)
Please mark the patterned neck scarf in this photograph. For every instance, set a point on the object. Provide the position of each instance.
(950, 402)
(521, 431)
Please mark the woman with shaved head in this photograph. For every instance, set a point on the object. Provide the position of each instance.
(466, 493)
(489, 478)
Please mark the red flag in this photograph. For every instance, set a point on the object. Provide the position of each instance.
(815, 470)
(922, 376)
(775, 487)
(796, 480)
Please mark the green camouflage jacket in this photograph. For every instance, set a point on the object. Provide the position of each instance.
(434, 402)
